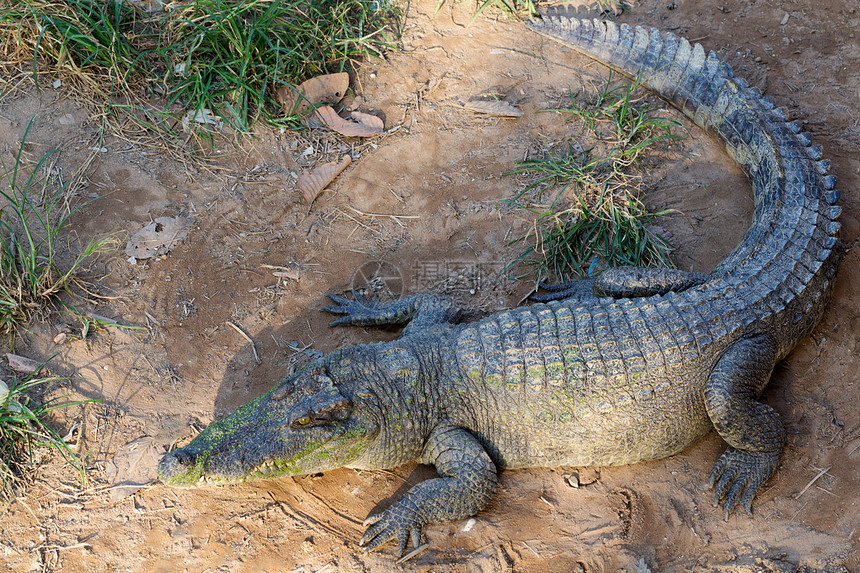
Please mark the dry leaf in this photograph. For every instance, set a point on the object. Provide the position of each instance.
(133, 467)
(329, 88)
(21, 364)
(290, 275)
(157, 238)
(12, 405)
(368, 120)
(493, 107)
(363, 124)
(203, 116)
(313, 182)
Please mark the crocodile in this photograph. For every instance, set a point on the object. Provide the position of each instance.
(632, 365)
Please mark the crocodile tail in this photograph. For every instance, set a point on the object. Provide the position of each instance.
(679, 72)
(790, 248)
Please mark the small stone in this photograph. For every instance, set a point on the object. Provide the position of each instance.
(60, 338)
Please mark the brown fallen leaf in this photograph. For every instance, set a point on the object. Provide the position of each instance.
(22, 364)
(157, 238)
(133, 467)
(493, 107)
(368, 119)
(314, 181)
(359, 124)
(328, 88)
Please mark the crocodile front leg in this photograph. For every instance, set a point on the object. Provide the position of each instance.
(755, 435)
(466, 485)
(420, 311)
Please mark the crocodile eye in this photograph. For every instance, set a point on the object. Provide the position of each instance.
(302, 422)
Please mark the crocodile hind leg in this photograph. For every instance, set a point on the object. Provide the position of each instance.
(466, 484)
(624, 282)
(755, 435)
(579, 289)
(420, 311)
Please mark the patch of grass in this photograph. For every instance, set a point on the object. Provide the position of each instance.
(97, 43)
(231, 56)
(594, 219)
(23, 430)
(32, 216)
(615, 7)
(225, 56)
(511, 8)
(633, 127)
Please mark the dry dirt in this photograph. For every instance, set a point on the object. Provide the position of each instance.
(435, 186)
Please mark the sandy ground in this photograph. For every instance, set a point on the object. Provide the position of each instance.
(435, 187)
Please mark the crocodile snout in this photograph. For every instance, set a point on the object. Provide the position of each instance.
(174, 464)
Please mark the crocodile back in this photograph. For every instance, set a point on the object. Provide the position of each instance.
(566, 383)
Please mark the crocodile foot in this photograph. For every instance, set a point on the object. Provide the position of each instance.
(579, 289)
(400, 522)
(358, 311)
(739, 475)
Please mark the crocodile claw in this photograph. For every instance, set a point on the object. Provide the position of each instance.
(396, 522)
(357, 311)
(739, 475)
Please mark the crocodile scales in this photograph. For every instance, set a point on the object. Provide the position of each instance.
(639, 367)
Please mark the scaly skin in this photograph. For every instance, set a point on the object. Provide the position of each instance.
(634, 365)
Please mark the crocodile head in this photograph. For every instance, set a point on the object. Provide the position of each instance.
(303, 425)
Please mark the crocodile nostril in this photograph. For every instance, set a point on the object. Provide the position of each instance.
(183, 458)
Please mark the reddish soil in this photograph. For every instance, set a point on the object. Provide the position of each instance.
(426, 199)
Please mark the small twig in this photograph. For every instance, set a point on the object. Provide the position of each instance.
(815, 479)
(414, 553)
(248, 338)
(64, 547)
(395, 218)
(21, 501)
(796, 513)
(527, 546)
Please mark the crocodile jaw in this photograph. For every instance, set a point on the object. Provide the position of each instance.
(261, 441)
(267, 455)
